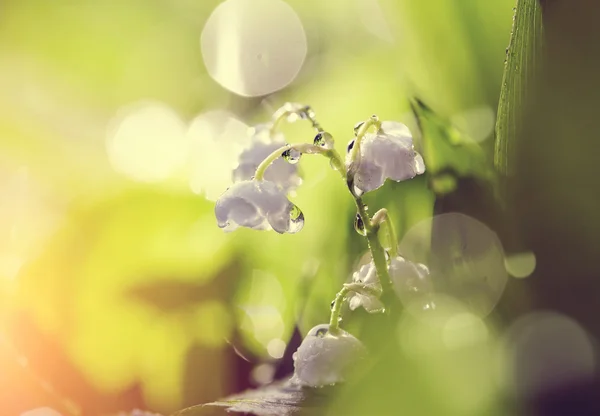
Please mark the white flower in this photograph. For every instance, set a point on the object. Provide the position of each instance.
(323, 359)
(260, 205)
(263, 143)
(366, 289)
(409, 278)
(388, 153)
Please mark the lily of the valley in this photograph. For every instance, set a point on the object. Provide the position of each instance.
(387, 153)
(260, 205)
(263, 141)
(324, 358)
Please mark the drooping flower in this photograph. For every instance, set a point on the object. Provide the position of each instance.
(262, 143)
(324, 358)
(366, 289)
(260, 205)
(408, 277)
(387, 154)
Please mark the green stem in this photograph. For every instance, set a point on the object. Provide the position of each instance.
(362, 131)
(336, 310)
(276, 154)
(382, 217)
(377, 250)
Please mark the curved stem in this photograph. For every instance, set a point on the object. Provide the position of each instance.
(277, 153)
(362, 131)
(336, 310)
(382, 217)
(377, 250)
(288, 109)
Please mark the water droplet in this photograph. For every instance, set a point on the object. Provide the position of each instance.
(324, 139)
(359, 225)
(332, 304)
(333, 165)
(350, 145)
(307, 113)
(291, 156)
(296, 220)
(357, 127)
(340, 319)
(357, 191)
(295, 355)
(321, 332)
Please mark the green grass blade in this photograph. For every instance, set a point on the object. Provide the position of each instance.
(522, 55)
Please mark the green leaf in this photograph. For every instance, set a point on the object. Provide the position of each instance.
(522, 56)
(448, 153)
(281, 399)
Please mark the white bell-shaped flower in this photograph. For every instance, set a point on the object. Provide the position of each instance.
(324, 358)
(260, 205)
(409, 278)
(366, 289)
(262, 143)
(388, 153)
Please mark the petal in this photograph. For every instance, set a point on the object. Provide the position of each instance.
(395, 128)
(372, 304)
(260, 205)
(419, 164)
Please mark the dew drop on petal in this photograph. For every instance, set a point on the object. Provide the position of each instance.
(357, 191)
(296, 220)
(291, 156)
(324, 139)
(321, 332)
(419, 164)
(359, 225)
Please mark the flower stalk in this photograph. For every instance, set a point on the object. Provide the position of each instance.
(382, 217)
(277, 153)
(336, 310)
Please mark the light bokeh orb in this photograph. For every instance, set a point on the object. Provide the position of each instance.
(215, 141)
(41, 411)
(147, 142)
(253, 47)
(520, 265)
(547, 350)
(476, 123)
(466, 263)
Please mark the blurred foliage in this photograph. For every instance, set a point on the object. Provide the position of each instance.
(127, 277)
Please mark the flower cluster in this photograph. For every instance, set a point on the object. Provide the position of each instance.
(267, 172)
